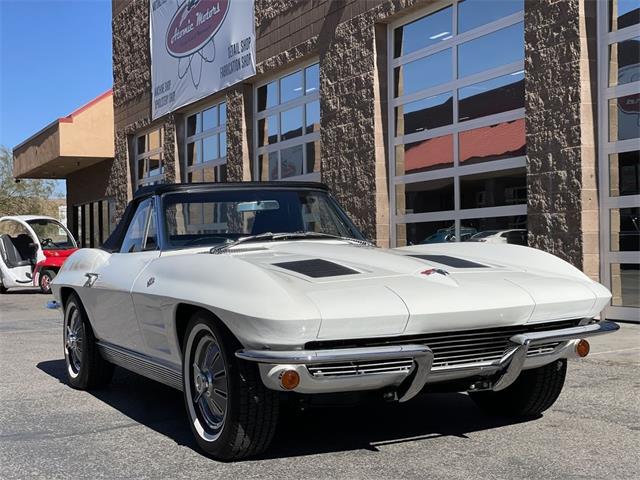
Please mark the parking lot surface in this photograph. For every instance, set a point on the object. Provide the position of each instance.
(137, 428)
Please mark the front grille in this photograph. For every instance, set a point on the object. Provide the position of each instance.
(451, 349)
(400, 365)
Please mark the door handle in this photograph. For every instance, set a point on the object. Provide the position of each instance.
(91, 279)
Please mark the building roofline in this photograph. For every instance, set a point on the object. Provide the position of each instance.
(67, 119)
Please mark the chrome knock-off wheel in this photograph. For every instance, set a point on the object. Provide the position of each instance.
(209, 385)
(73, 341)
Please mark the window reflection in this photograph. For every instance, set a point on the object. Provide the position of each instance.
(493, 96)
(426, 155)
(210, 148)
(511, 229)
(625, 229)
(421, 33)
(624, 173)
(291, 123)
(312, 117)
(313, 157)
(267, 96)
(474, 13)
(291, 161)
(494, 189)
(210, 118)
(312, 79)
(412, 77)
(624, 117)
(625, 284)
(494, 142)
(425, 233)
(291, 87)
(425, 114)
(624, 62)
(423, 197)
(623, 13)
(268, 130)
(493, 50)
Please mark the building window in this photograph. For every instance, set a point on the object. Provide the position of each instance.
(456, 85)
(619, 154)
(149, 161)
(206, 145)
(287, 128)
(94, 222)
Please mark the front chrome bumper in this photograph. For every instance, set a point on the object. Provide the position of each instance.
(370, 368)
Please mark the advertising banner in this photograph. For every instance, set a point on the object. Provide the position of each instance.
(198, 47)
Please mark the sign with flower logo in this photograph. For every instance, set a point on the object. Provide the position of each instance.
(198, 47)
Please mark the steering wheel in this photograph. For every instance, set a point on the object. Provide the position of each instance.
(47, 242)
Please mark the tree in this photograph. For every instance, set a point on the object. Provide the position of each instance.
(28, 197)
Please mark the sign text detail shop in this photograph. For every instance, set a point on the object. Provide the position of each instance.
(199, 47)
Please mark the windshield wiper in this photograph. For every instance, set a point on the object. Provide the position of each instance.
(269, 236)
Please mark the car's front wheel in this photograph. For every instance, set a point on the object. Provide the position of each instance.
(232, 414)
(46, 277)
(532, 393)
(86, 369)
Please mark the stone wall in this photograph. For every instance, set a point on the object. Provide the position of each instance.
(561, 175)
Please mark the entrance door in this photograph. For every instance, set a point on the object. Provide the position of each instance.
(619, 156)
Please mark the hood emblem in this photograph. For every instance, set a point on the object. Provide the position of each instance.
(430, 271)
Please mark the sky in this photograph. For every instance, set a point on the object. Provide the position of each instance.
(55, 56)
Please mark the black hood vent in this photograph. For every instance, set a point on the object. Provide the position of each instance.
(316, 268)
(450, 261)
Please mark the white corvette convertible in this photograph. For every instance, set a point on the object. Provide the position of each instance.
(242, 294)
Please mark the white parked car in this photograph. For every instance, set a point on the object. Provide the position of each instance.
(242, 294)
(517, 236)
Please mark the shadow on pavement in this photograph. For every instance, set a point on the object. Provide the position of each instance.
(317, 430)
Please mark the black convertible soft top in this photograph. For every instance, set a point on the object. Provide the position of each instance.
(199, 187)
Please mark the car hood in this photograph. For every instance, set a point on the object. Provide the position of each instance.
(362, 291)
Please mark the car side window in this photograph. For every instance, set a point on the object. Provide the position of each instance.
(134, 240)
(151, 239)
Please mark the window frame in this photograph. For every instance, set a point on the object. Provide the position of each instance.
(158, 178)
(147, 221)
(605, 148)
(276, 110)
(457, 170)
(200, 136)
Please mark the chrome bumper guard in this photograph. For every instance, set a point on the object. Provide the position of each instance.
(421, 355)
(514, 359)
(511, 364)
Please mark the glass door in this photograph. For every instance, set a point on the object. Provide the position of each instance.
(619, 158)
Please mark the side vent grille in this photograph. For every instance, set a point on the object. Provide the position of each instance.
(317, 268)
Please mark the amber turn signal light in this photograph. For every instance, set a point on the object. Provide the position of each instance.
(289, 379)
(582, 348)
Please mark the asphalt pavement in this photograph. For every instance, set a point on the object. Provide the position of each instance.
(137, 428)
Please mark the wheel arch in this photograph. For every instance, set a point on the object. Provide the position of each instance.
(185, 311)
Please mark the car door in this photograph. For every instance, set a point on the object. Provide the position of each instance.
(16, 254)
(109, 288)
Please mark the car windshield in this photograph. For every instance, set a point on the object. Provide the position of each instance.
(51, 234)
(218, 217)
(486, 233)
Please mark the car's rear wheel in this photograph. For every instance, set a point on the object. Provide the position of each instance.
(86, 368)
(231, 413)
(46, 277)
(533, 392)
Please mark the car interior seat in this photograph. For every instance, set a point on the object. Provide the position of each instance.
(11, 254)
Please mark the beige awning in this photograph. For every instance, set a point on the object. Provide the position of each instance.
(81, 139)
